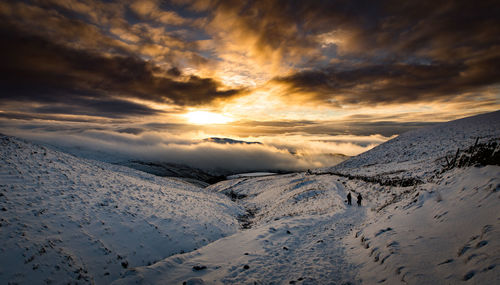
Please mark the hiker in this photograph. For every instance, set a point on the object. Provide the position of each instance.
(359, 199)
(349, 198)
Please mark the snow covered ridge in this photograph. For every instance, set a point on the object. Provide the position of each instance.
(64, 219)
(419, 154)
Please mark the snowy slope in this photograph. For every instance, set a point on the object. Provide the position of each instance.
(295, 236)
(421, 152)
(291, 229)
(65, 219)
(447, 232)
(302, 232)
(193, 175)
(443, 230)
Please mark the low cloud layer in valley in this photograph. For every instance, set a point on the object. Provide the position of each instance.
(290, 152)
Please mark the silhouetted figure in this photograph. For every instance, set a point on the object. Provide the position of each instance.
(349, 198)
(359, 199)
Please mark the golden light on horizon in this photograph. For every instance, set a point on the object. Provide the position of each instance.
(207, 118)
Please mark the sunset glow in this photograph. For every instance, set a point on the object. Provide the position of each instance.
(207, 118)
(105, 72)
(220, 141)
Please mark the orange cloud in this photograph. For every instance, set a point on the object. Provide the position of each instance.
(150, 9)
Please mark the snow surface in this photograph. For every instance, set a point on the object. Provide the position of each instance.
(64, 219)
(420, 152)
(293, 229)
(296, 236)
(444, 230)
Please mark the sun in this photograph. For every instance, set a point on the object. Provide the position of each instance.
(207, 118)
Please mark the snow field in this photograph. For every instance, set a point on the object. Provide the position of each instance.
(84, 221)
(446, 232)
(65, 219)
(285, 195)
(420, 152)
(295, 236)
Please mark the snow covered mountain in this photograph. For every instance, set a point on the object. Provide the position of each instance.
(428, 216)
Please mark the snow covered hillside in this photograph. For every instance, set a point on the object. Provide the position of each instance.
(442, 232)
(420, 153)
(66, 220)
(292, 232)
(442, 229)
(429, 215)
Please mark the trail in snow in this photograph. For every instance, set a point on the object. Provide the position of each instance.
(445, 232)
(296, 236)
(66, 219)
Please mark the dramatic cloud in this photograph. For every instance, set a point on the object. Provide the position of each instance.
(34, 69)
(338, 52)
(365, 52)
(393, 53)
(359, 127)
(308, 79)
(150, 9)
(396, 83)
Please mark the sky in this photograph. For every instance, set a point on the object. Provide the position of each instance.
(308, 80)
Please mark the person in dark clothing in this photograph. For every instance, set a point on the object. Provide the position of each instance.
(349, 198)
(359, 199)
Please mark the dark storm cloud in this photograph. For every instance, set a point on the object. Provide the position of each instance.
(59, 57)
(438, 29)
(111, 108)
(393, 83)
(44, 117)
(411, 52)
(376, 51)
(38, 70)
